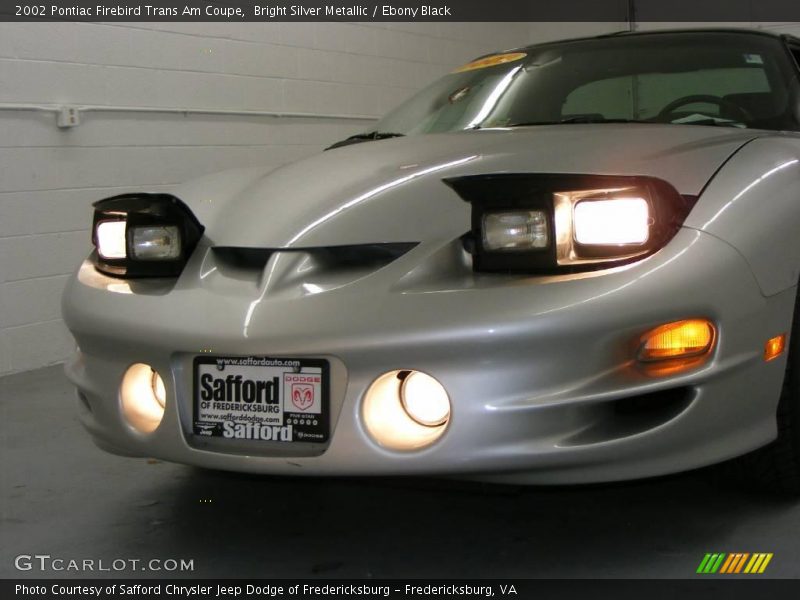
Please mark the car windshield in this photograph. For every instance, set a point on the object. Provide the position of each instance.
(702, 78)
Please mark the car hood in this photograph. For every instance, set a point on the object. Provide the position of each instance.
(393, 190)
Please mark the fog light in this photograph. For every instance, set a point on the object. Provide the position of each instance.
(143, 397)
(406, 410)
(424, 399)
(159, 391)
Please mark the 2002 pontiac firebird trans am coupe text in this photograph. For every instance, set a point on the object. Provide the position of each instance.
(571, 262)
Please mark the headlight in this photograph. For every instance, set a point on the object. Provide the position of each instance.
(111, 239)
(156, 243)
(551, 223)
(622, 221)
(520, 230)
(143, 235)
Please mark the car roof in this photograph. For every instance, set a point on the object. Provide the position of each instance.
(631, 34)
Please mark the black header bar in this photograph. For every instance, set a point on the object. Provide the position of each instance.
(702, 586)
(741, 11)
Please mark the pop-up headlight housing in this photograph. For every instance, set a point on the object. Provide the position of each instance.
(551, 223)
(143, 235)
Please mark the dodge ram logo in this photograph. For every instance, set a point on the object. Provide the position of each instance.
(302, 395)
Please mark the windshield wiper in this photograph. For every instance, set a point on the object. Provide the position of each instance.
(711, 122)
(577, 119)
(364, 137)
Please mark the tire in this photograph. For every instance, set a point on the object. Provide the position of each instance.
(776, 467)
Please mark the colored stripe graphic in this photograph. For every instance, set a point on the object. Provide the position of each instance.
(716, 564)
(744, 558)
(711, 563)
(728, 564)
(734, 563)
(703, 563)
(764, 564)
(737, 563)
(758, 563)
(737, 556)
(755, 562)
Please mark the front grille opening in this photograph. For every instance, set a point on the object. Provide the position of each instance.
(362, 256)
(243, 258)
(630, 416)
(326, 258)
(666, 401)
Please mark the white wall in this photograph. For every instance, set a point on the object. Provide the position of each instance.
(49, 177)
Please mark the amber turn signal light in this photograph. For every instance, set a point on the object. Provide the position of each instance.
(681, 339)
(774, 347)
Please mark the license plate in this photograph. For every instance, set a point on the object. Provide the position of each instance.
(261, 399)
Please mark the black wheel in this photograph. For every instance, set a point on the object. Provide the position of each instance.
(776, 467)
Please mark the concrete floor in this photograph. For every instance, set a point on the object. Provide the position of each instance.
(62, 496)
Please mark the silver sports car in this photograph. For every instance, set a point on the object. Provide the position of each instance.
(571, 262)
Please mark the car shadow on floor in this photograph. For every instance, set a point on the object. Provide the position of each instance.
(259, 526)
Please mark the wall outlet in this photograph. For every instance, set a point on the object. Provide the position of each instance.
(69, 116)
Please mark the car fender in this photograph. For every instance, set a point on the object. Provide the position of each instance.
(753, 204)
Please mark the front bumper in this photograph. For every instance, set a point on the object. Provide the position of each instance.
(537, 368)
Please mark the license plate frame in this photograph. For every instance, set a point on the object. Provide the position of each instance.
(261, 399)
